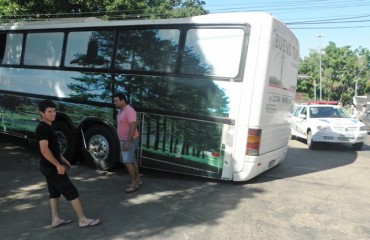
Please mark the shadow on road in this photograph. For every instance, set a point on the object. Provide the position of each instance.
(166, 203)
(300, 160)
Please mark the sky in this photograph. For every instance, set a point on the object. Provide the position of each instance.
(315, 22)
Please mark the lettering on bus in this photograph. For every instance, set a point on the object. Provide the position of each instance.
(285, 46)
(280, 99)
(271, 108)
(286, 100)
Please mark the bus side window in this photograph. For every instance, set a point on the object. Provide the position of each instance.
(44, 49)
(2, 46)
(10, 48)
(150, 50)
(89, 49)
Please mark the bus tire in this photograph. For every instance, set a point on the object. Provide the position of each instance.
(102, 149)
(66, 141)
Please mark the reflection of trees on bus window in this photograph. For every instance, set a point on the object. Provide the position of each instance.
(152, 50)
(216, 52)
(44, 49)
(11, 48)
(89, 49)
(149, 52)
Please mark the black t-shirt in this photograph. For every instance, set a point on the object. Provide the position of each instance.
(45, 132)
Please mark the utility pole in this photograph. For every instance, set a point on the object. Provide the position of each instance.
(320, 36)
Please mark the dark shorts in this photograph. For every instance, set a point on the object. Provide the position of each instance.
(61, 185)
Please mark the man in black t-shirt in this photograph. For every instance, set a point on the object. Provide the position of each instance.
(53, 166)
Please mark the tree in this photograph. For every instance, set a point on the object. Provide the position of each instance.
(42, 9)
(8, 7)
(342, 70)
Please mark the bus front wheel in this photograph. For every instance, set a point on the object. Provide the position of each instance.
(102, 149)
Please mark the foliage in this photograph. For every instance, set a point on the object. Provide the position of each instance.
(342, 70)
(116, 9)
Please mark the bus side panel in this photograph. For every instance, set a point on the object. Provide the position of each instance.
(17, 116)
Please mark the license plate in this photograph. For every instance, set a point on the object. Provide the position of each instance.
(350, 136)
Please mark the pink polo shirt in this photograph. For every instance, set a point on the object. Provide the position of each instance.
(124, 118)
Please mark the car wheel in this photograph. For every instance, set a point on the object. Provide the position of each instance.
(310, 143)
(357, 146)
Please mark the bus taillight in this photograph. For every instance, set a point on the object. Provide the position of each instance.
(253, 142)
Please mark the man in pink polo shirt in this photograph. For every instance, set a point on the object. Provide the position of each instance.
(129, 139)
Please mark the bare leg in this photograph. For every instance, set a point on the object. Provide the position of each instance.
(132, 172)
(82, 220)
(54, 206)
(137, 175)
(76, 205)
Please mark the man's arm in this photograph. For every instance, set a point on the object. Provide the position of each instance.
(67, 163)
(132, 131)
(45, 151)
(130, 136)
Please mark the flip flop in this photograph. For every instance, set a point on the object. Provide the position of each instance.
(139, 184)
(92, 223)
(64, 222)
(132, 189)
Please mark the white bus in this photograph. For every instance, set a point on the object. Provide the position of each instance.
(213, 92)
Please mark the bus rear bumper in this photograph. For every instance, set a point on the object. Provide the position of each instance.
(255, 165)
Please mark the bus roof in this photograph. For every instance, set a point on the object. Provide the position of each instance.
(222, 18)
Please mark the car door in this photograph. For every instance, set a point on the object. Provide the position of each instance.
(300, 120)
(295, 119)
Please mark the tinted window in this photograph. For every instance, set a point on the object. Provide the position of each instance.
(44, 49)
(10, 48)
(90, 49)
(148, 50)
(213, 52)
(328, 112)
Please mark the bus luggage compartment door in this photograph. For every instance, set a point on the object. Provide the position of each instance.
(181, 145)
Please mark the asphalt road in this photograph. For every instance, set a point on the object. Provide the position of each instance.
(321, 194)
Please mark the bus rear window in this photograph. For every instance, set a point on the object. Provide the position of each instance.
(213, 52)
(10, 48)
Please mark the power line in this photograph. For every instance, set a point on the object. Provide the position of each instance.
(338, 27)
(325, 22)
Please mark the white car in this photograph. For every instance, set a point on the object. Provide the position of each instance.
(326, 123)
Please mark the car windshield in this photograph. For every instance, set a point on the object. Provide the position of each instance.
(328, 112)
